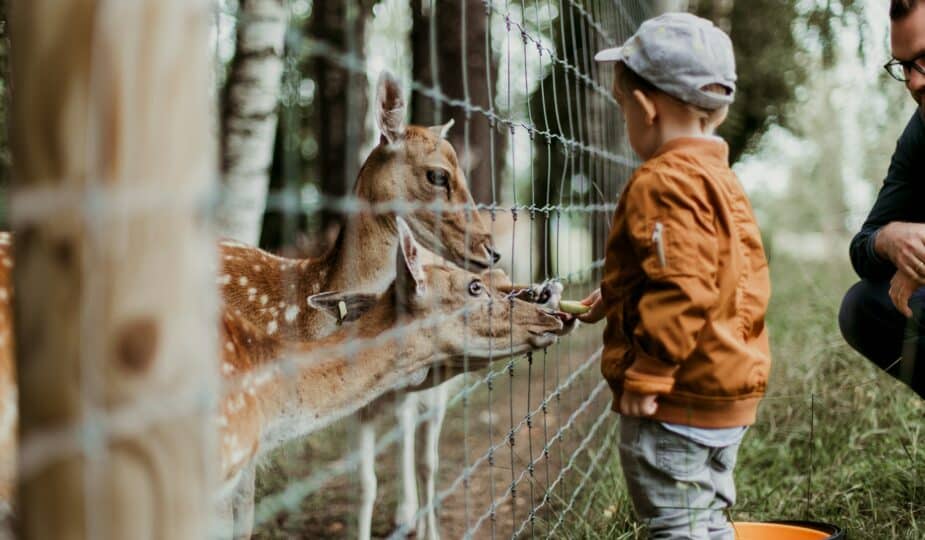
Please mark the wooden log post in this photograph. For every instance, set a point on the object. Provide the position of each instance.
(114, 306)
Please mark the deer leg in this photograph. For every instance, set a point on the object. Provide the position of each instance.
(408, 498)
(437, 412)
(243, 503)
(367, 478)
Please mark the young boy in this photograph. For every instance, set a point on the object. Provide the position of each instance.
(685, 285)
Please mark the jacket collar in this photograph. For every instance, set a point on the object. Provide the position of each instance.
(709, 146)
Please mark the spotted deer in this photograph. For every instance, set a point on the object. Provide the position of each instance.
(412, 165)
(395, 337)
(276, 390)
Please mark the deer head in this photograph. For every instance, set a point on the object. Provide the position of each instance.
(458, 312)
(417, 165)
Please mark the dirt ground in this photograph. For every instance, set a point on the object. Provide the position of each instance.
(468, 432)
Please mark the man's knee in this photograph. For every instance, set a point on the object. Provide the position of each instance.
(850, 314)
(870, 323)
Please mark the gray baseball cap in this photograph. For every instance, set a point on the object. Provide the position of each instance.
(680, 54)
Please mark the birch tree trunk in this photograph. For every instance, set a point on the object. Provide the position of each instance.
(115, 309)
(249, 116)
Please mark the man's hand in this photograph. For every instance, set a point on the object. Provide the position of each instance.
(904, 244)
(633, 404)
(597, 308)
(901, 288)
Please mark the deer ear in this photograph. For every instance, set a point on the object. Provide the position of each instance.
(390, 108)
(345, 307)
(410, 272)
(441, 131)
(497, 278)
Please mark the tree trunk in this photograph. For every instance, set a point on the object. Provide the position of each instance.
(450, 60)
(114, 306)
(249, 116)
(336, 119)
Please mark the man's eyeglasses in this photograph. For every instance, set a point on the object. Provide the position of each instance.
(902, 69)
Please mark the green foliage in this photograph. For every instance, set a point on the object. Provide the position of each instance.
(772, 64)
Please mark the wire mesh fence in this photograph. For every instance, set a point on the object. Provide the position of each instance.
(514, 432)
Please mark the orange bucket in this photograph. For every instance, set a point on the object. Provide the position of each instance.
(787, 530)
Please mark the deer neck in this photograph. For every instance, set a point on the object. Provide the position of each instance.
(363, 258)
(324, 389)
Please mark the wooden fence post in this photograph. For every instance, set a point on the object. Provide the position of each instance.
(113, 158)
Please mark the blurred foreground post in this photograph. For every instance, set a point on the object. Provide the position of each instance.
(115, 331)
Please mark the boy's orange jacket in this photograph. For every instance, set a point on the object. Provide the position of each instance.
(686, 288)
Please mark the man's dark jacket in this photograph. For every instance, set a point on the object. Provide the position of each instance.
(902, 198)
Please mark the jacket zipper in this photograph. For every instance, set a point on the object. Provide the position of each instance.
(658, 239)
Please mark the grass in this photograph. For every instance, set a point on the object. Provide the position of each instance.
(836, 440)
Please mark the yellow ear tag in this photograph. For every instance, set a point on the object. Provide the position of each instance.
(342, 307)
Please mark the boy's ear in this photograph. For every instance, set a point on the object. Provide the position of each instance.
(647, 105)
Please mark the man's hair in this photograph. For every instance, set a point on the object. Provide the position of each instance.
(900, 8)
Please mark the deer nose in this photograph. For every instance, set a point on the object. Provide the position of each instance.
(495, 256)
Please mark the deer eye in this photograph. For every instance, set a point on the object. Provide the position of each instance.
(438, 178)
(475, 287)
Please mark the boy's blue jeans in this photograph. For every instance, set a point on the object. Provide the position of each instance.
(679, 489)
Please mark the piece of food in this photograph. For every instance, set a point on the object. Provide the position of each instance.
(573, 307)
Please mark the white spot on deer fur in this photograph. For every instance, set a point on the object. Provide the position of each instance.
(281, 304)
(291, 313)
(264, 299)
(229, 346)
(242, 280)
(229, 258)
(4, 295)
(224, 280)
(271, 327)
(257, 268)
(7, 262)
(292, 286)
(236, 404)
(227, 369)
(5, 239)
(274, 311)
(252, 291)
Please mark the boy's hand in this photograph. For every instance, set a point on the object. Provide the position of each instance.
(597, 308)
(632, 404)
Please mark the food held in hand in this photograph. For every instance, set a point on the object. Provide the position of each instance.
(573, 307)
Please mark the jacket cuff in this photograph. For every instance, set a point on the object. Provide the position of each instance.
(649, 375)
(871, 251)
